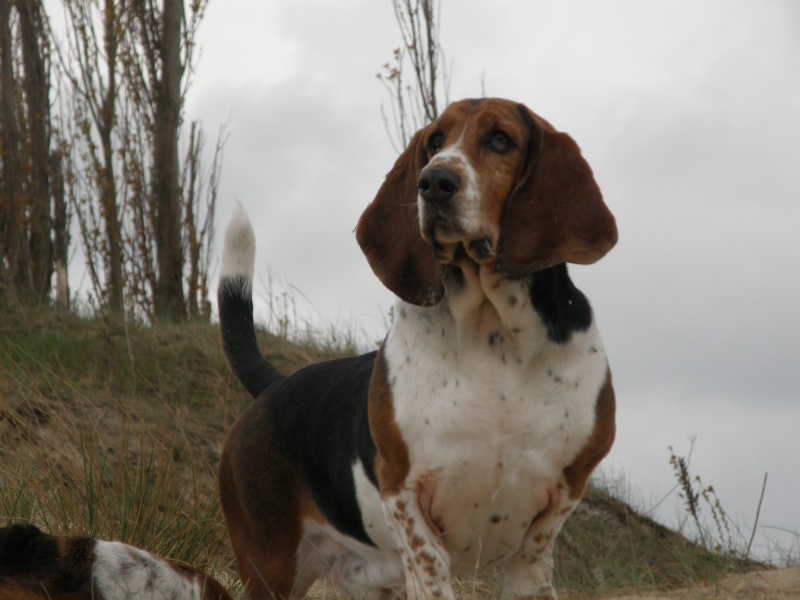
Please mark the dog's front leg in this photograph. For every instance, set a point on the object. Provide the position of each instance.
(406, 496)
(529, 574)
(426, 562)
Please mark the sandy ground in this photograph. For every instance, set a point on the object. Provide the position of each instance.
(762, 585)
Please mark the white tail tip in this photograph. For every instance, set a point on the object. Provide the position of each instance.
(239, 251)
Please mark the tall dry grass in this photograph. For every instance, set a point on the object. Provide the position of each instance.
(113, 429)
(77, 468)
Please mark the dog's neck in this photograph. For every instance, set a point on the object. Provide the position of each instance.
(536, 309)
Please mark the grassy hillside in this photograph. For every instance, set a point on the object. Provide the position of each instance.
(116, 430)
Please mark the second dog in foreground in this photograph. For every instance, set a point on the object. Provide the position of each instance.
(467, 439)
(38, 566)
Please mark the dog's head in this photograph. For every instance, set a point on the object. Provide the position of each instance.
(489, 181)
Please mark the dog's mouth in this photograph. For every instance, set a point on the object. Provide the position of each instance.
(444, 232)
(481, 250)
(448, 241)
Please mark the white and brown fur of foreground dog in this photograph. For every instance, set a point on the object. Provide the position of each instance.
(38, 566)
(465, 442)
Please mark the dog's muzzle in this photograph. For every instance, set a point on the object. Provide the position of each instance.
(439, 220)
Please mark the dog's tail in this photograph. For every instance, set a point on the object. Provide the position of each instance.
(36, 565)
(235, 304)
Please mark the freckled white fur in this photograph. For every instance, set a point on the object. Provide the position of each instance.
(427, 563)
(493, 411)
(127, 573)
(493, 425)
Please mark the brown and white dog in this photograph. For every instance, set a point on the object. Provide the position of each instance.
(467, 439)
(38, 566)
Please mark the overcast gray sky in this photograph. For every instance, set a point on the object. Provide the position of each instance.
(688, 112)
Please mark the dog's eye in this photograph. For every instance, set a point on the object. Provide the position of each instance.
(435, 143)
(500, 141)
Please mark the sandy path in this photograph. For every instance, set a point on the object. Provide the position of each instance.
(762, 585)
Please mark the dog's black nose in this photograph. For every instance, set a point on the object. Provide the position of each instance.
(438, 185)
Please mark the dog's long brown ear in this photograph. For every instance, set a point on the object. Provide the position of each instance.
(388, 233)
(556, 214)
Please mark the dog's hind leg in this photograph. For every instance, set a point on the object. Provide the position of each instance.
(260, 498)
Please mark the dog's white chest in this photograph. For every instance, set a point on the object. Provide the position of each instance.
(488, 431)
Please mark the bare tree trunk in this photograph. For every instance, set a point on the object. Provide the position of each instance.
(108, 200)
(6, 187)
(37, 91)
(199, 218)
(60, 229)
(169, 298)
(191, 190)
(140, 248)
(13, 235)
